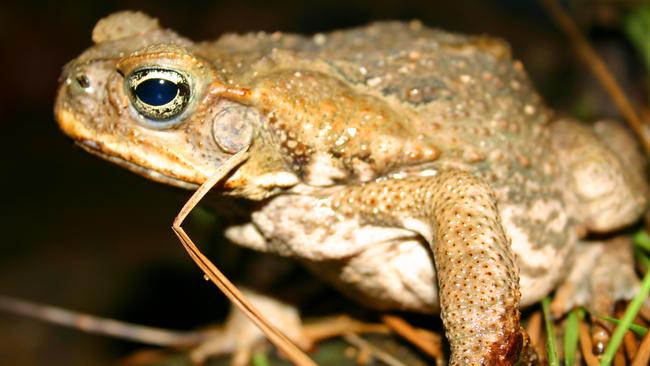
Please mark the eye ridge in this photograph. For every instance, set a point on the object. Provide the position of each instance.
(158, 94)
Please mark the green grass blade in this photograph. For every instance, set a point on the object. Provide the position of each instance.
(571, 338)
(628, 317)
(642, 240)
(640, 330)
(260, 359)
(637, 27)
(642, 257)
(551, 349)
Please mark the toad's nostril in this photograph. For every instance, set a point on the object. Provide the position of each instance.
(83, 81)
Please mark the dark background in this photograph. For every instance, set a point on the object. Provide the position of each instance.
(86, 235)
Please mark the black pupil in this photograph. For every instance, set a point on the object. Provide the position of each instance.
(156, 92)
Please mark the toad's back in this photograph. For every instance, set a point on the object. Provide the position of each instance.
(453, 99)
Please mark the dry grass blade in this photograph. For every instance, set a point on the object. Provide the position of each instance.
(336, 326)
(384, 357)
(629, 342)
(293, 352)
(619, 358)
(585, 344)
(642, 357)
(598, 67)
(429, 342)
(534, 330)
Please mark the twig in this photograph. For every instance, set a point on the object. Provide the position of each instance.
(383, 356)
(429, 342)
(600, 70)
(103, 326)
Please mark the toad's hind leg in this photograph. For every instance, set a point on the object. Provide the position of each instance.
(456, 213)
(606, 191)
(604, 180)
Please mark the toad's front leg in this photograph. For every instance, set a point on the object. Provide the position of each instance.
(477, 276)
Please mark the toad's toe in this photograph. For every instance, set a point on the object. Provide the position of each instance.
(240, 336)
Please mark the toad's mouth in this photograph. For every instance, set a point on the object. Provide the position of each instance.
(93, 148)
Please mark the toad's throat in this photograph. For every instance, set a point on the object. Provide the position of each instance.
(92, 147)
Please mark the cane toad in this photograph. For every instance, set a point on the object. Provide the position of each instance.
(414, 168)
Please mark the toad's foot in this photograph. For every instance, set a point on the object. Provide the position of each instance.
(239, 335)
(603, 273)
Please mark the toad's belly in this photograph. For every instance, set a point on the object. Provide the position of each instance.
(393, 268)
(401, 276)
(398, 275)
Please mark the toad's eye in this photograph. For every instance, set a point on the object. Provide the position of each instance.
(158, 94)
